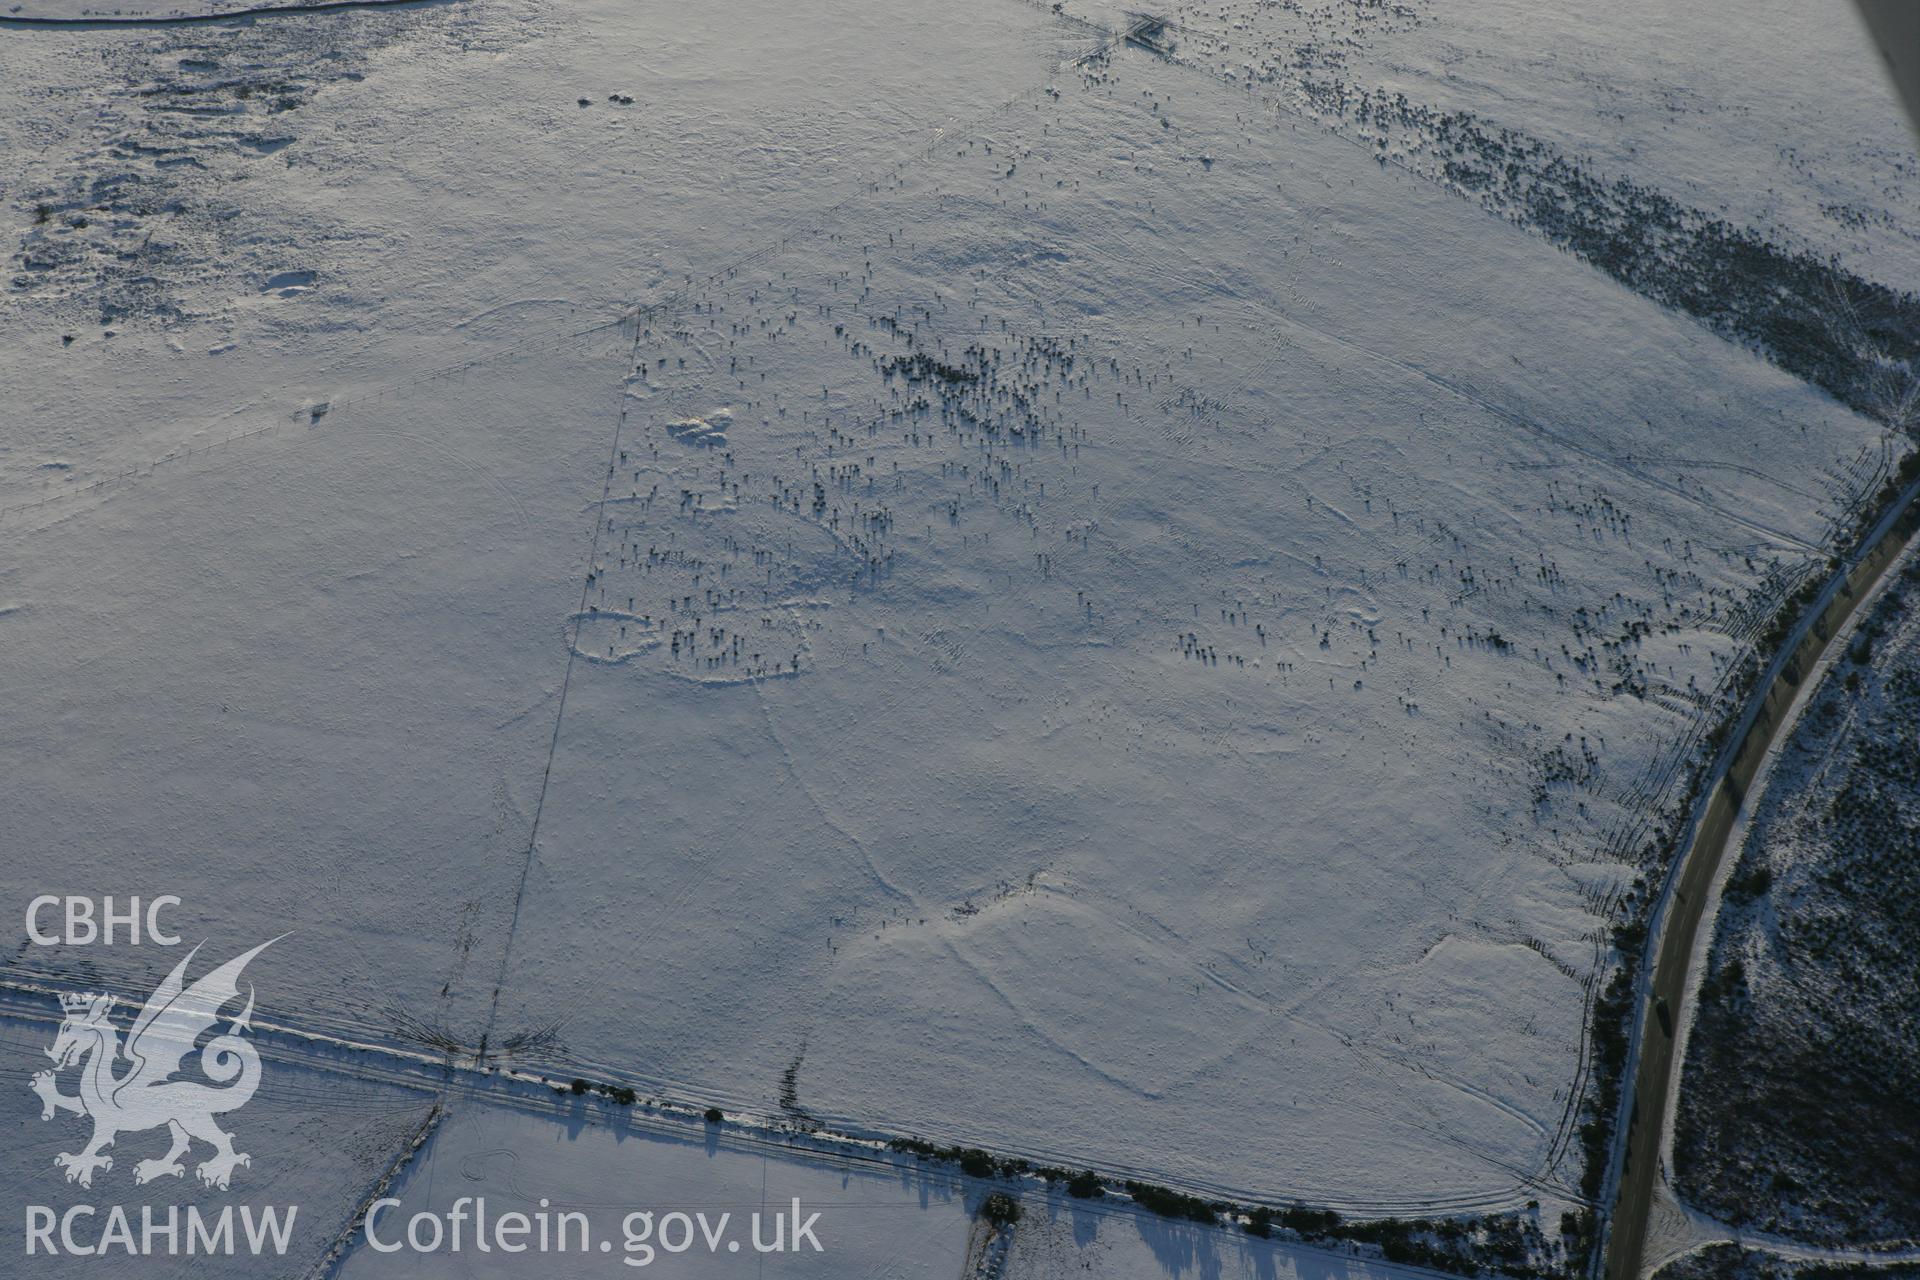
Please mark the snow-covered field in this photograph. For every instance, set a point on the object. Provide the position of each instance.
(1076, 613)
(509, 1162)
(1772, 119)
(322, 1137)
(868, 1218)
(1130, 660)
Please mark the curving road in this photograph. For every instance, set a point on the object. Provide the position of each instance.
(1677, 918)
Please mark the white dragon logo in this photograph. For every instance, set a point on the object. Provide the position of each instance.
(147, 1096)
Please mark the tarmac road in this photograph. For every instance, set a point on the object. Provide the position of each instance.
(1678, 918)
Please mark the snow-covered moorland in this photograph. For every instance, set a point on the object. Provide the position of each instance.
(973, 580)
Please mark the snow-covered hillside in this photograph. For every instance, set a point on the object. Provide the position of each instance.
(919, 569)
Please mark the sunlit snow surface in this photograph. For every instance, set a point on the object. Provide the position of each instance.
(1059, 598)
(318, 1137)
